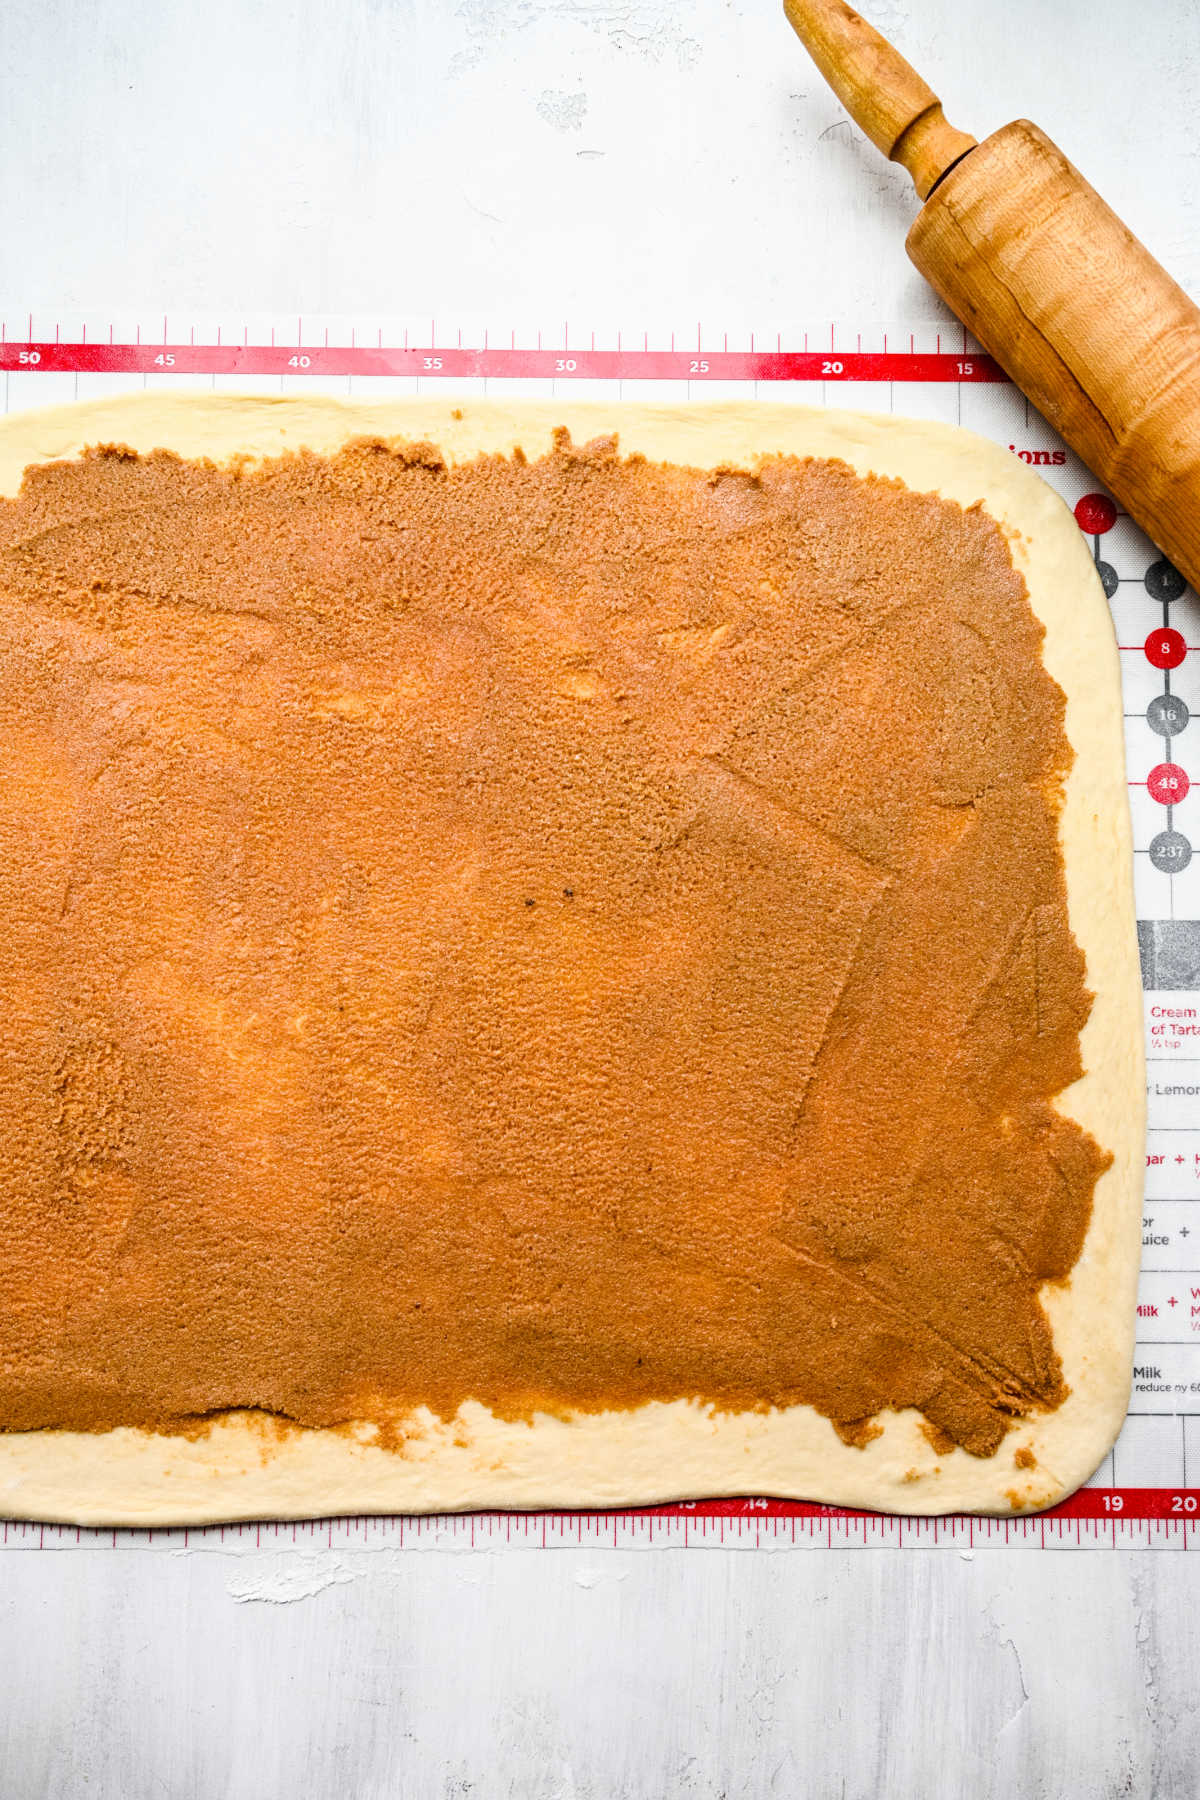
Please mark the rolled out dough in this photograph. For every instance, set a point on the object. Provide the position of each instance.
(244, 1468)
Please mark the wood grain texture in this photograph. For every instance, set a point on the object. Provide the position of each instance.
(634, 1675)
(1100, 338)
(883, 94)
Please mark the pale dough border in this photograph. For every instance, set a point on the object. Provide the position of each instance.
(242, 1469)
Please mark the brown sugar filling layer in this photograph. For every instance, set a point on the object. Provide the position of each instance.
(563, 934)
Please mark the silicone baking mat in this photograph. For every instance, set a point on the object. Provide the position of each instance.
(1141, 1493)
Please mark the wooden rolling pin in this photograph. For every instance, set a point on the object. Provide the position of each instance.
(1044, 275)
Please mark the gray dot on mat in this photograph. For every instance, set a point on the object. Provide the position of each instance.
(1171, 852)
(1163, 580)
(1167, 714)
(1108, 578)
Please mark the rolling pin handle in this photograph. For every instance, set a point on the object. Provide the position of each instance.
(883, 93)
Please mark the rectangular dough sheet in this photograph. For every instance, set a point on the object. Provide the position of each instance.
(243, 1468)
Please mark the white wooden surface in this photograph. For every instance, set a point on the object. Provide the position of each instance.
(628, 1676)
(605, 160)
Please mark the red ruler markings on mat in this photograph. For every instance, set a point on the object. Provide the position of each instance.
(1103, 1518)
(53, 358)
(1086, 1503)
(1093, 1515)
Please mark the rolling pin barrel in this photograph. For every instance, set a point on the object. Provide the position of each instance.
(1104, 343)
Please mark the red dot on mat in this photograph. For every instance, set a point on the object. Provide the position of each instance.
(1168, 784)
(1095, 513)
(1165, 647)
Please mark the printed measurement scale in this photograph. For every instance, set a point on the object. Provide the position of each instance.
(1140, 1496)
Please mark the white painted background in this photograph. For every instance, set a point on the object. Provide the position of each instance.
(604, 161)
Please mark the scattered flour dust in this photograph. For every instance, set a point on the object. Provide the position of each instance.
(563, 111)
(657, 30)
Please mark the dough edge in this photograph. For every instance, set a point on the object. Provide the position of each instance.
(244, 1468)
